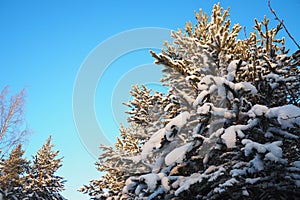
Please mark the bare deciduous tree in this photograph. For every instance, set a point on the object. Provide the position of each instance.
(12, 123)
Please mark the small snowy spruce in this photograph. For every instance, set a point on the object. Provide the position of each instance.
(41, 180)
(12, 172)
(228, 128)
(21, 179)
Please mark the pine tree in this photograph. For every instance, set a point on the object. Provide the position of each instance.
(144, 109)
(235, 133)
(42, 181)
(12, 172)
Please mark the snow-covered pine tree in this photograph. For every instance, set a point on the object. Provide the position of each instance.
(145, 109)
(12, 172)
(42, 181)
(236, 132)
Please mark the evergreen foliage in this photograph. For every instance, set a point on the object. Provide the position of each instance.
(21, 179)
(41, 181)
(228, 128)
(12, 174)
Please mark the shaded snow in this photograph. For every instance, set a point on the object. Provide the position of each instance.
(165, 183)
(297, 164)
(205, 82)
(203, 110)
(187, 182)
(179, 121)
(257, 110)
(153, 143)
(169, 132)
(252, 180)
(201, 97)
(178, 154)
(246, 86)
(245, 192)
(257, 163)
(237, 172)
(158, 164)
(150, 180)
(272, 150)
(288, 116)
(229, 182)
(229, 136)
(209, 143)
(250, 145)
(231, 70)
(275, 149)
(176, 124)
(214, 176)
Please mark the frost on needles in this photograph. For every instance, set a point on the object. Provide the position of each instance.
(228, 128)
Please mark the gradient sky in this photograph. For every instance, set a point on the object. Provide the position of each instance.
(44, 43)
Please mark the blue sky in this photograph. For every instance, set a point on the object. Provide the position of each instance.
(43, 45)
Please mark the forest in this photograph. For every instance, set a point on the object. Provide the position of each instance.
(228, 126)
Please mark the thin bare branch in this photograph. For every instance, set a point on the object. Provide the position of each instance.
(245, 32)
(12, 130)
(281, 22)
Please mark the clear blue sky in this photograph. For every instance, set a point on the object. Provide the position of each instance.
(44, 43)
